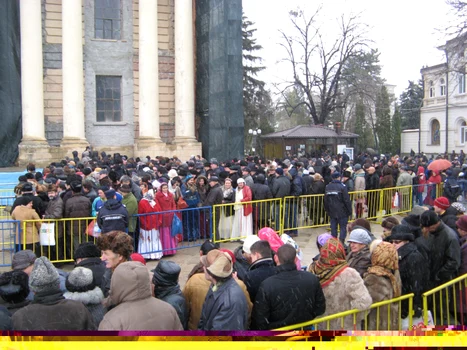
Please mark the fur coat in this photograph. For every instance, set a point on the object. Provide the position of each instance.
(346, 292)
(380, 289)
(92, 299)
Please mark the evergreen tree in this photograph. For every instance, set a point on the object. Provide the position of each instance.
(383, 121)
(362, 129)
(410, 104)
(396, 130)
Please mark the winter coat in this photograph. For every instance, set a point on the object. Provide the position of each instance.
(372, 181)
(346, 292)
(296, 187)
(307, 182)
(452, 190)
(113, 216)
(247, 197)
(349, 183)
(287, 298)
(241, 265)
(52, 312)
(214, 196)
(54, 209)
(360, 260)
(248, 180)
(135, 308)
(463, 267)
(318, 187)
(380, 289)
(225, 309)
(337, 200)
(413, 270)
(202, 190)
(97, 266)
(445, 256)
(92, 299)
(149, 222)
(136, 191)
(166, 203)
(37, 204)
(174, 296)
(195, 292)
(404, 179)
(360, 180)
(31, 235)
(387, 181)
(129, 201)
(78, 206)
(6, 324)
(449, 217)
(191, 197)
(91, 195)
(261, 192)
(280, 187)
(259, 271)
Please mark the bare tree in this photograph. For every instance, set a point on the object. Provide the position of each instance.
(317, 62)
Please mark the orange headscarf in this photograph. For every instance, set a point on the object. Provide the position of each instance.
(385, 262)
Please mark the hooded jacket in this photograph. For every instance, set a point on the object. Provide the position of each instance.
(296, 187)
(113, 216)
(135, 308)
(92, 299)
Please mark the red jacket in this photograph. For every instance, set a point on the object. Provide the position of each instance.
(149, 222)
(247, 197)
(166, 203)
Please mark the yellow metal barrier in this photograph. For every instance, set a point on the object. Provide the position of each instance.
(373, 313)
(231, 224)
(67, 235)
(452, 301)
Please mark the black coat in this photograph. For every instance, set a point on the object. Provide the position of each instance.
(215, 196)
(260, 192)
(113, 216)
(241, 265)
(449, 217)
(337, 200)
(97, 266)
(174, 296)
(307, 182)
(257, 273)
(287, 298)
(5, 320)
(413, 269)
(281, 187)
(372, 181)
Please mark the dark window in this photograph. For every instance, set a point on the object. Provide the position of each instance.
(108, 98)
(435, 133)
(107, 19)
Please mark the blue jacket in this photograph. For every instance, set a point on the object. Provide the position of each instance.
(337, 200)
(113, 216)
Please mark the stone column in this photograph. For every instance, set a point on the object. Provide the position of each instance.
(148, 74)
(184, 72)
(33, 147)
(32, 93)
(73, 80)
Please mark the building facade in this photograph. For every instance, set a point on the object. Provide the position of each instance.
(118, 75)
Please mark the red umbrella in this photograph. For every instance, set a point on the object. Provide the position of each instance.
(439, 165)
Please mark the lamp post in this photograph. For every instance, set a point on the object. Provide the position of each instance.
(254, 133)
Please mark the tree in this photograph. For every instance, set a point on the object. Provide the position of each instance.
(257, 103)
(411, 101)
(365, 138)
(289, 116)
(317, 65)
(396, 130)
(383, 121)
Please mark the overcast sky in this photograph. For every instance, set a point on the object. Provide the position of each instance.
(406, 32)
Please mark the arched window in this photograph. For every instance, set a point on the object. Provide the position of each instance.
(463, 132)
(432, 89)
(435, 133)
(442, 88)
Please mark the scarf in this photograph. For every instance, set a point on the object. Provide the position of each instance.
(149, 196)
(238, 199)
(385, 263)
(331, 262)
(227, 191)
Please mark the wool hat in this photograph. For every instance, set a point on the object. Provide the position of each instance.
(311, 170)
(44, 276)
(336, 175)
(138, 257)
(401, 233)
(357, 167)
(125, 188)
(76, 186)
(172, 173)
(87, 250)
(27, 187)
(166, 273)
(280, 171)
(240, 181)
(418, 210)
(23, 259)
(232, 255)
(429, 218)
(218, 263)
(442, 202)
(110, 194)
(359, 235)
(80, 280)
(462, 223)
(248, 242)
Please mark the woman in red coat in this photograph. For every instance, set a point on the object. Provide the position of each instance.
(166, 201)
(243, 220)
(149, 244)
(432, 184)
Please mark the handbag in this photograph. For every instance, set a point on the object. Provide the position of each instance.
(93, 229)
(177, 227)
(47, 234)
(181, 204)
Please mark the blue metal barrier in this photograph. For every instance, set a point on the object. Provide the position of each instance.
(9, 234)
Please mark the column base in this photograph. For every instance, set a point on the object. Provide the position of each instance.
(69, 145)
(187, 147)
(150, 146)
(38, 152)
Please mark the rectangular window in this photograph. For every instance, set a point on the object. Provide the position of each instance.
(463, 134)
(443, 90)
(432, 92)
(461, 83)
(108, 98)
(107, 19)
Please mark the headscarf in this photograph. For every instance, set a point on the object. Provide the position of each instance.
(331, 262)
(385, 263)
(149, 196)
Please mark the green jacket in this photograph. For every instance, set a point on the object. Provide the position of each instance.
(129, 201)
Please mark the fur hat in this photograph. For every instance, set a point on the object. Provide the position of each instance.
(429, 218)
(401, 233)
(218, 263)
(359, 236)
(44, 276)
(80, 280)
(14, 286)
(23, 259)
(442, 202)
(87, 250)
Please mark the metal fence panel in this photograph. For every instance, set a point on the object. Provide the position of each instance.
(9, 230)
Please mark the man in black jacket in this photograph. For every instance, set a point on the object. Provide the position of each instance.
(372, 183)
(337, 205)
(280, 189)
(113, 216)
(261, 211)
(289, 297)
(215, 196)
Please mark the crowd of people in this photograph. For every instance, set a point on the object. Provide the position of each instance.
(258, 286)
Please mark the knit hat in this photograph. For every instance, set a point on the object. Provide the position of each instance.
(166, 273)
(248, 242)
(87, 250)
(429, 218)
(240, 181)
(336, 175)
(172, 173)
(27, 187)
(359, 236)
(23, 259)
(125, 189)
(462, 223)
(138, 257)
(218, 263)
(418, 210)
(401, 233)
(110, 194)
(80, 280)
(44, 276)
(280, 171)
(311, 170)
(442, 202)
(357, 167)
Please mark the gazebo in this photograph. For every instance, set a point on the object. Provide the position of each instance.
(306, 139)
